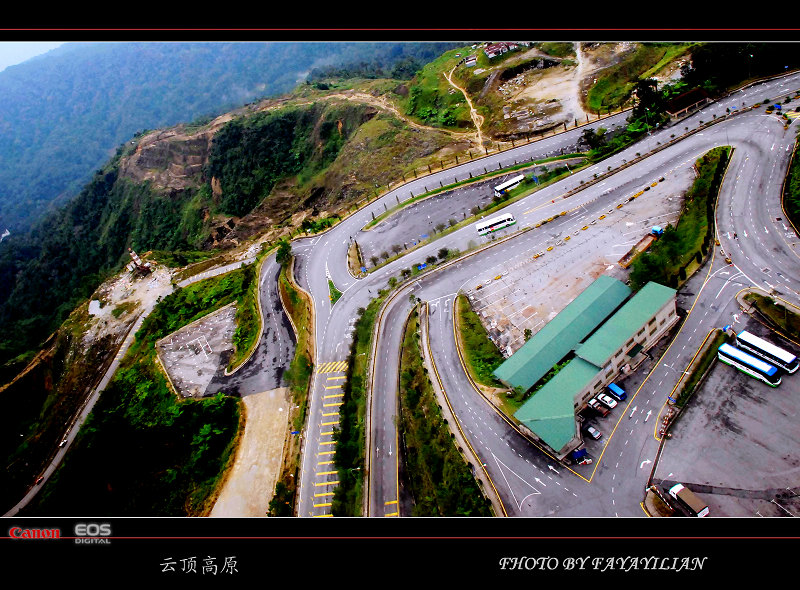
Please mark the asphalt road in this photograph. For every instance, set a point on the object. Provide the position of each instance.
(619, 483)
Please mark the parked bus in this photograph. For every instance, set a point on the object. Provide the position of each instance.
(508, 185)
(688, 499)
(768, 351)
(495, 223)
(749, 364)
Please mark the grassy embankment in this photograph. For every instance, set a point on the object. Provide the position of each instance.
(440, 480)
(248, 318)
(791, 191)
(614, 84)
(299, 374)
(776, 314)
(143, 451)
(481, 356)
(681, 249)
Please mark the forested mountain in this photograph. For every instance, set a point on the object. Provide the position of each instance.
(63, 114)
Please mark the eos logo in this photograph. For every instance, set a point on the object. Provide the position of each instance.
(92, 533)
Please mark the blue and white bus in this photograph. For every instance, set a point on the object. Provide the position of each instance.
(747, 363)
(767, 351)
(508, 185)
(495, 223)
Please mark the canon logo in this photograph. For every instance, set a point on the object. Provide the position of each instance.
(20, 533)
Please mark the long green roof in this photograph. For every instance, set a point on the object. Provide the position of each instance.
(550, 412)
(624, 324)
(561, 334)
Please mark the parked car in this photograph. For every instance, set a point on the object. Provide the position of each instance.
(598, 407)
(593, 432)
(607, 400)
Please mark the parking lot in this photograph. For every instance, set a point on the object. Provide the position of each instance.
(735, 443)
(570, 253)
(197, 352)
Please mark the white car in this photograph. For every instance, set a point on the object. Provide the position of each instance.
(607, 400)
(593, 432)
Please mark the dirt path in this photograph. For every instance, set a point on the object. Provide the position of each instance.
(251, 483)
(476, 118)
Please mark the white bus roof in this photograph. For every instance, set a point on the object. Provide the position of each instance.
(514, 180)
(775, 351)
(494, 220)
(756, 363)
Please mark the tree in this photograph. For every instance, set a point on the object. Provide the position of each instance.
(443, 252)
(284, 253)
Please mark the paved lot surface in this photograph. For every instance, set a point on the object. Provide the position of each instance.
(521, 297)
(735, 444)
(195, 353)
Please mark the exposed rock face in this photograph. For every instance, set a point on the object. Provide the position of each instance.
(169, 159)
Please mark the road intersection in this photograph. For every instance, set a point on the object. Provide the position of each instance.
(524, 477)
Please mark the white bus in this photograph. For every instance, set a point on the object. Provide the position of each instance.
(749, 364)
(508, 185)
(495, 223)
(768, 351)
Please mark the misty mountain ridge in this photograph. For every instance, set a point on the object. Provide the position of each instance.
(63, 114)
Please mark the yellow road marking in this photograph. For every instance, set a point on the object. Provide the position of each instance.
(327, 453)
(329, 432)
(322, 505)
(321, 515)
(334, 378)
(333, 387)
(326, 472)
(332, 395)
(324, 462)
(324, 483)
(330, 414)
(329, 442)
(320, 495)
(390, 502)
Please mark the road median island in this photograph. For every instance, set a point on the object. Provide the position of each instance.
(480, 354)
(248, 329)
(352, 436)
(773, 312)
(441, 477)
(681, 250)
(299, 310)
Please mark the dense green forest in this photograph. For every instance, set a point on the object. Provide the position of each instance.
(47, 271)
(143, 451)
(63, 114)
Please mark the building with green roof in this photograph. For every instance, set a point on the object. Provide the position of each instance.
(561, 335)
(617, 346)
(628, 322)
(550, 413)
